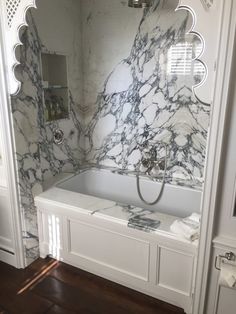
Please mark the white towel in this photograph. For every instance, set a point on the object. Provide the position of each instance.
(188, 227)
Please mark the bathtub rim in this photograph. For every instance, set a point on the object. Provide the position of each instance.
(69, 175)
(45, 203)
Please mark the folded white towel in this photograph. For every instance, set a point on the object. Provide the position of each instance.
(188, 227)
(195, 217)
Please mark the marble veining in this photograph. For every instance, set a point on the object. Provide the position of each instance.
(134, 217)
(38, 158)
(142, 104)
(140, 219)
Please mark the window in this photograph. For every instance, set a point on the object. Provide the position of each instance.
(181, 60)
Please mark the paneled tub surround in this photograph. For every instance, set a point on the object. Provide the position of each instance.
(122, 242)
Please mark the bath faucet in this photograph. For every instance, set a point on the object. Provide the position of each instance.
(153, 154)
(151, 167)
(151, 164)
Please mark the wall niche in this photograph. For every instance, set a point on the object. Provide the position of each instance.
(55, 86)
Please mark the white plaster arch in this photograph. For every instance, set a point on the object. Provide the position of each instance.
(203, 12)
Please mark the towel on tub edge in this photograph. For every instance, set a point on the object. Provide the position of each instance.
(188, 227)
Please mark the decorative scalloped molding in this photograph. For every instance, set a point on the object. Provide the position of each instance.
(197, 58)
(16, 18)
(203, 17)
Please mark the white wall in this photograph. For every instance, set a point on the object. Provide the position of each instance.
(10, 241)
(6, 232)
(220, 297)
(226, 223)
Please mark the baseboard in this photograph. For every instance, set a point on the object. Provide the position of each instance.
(8, 258)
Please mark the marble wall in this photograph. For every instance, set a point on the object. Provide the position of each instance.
(62, 34)
(38, 158)
(143, 101)
(127, 94)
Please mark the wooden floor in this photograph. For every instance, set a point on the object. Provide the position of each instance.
(51, 287)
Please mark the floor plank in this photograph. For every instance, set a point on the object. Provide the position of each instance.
(9, 274)
(2, 311)
(76, 299)
(26, 303)
(56, 309)
(50, 287)
(109, 291)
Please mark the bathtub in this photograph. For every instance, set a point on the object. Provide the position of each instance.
(121, 188)
(89, 220)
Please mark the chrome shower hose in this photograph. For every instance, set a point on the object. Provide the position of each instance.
(162, 185)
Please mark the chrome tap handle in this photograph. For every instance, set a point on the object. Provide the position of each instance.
(146, 163)
(229, 256)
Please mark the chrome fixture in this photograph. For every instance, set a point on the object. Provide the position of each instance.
(229, 256)
(139, 3)
(153, 165)
(58, 136)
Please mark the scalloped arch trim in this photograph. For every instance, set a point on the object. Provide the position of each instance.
(14, 17)
(197, 57)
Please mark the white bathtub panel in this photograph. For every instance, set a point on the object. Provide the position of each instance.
(110, 249)
(50, 234)
(3, 179)
(226, 301)
(175, 271)
(118, 253)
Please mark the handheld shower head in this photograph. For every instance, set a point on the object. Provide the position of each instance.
(139, 3)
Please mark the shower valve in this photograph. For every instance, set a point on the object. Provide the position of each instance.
(58, 136)
(146, 163)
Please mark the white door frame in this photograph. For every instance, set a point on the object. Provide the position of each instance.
(8, 155)
(214, 151)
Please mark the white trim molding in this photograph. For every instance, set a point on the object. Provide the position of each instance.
(214, 151)
(14, 17)
(202, 18)
(9, 160)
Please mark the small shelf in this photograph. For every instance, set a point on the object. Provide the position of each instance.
(55, 86)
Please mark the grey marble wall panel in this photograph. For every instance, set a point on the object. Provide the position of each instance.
(144, 101)
(38, 158)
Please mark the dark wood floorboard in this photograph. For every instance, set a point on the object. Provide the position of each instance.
(56, 309)
(2, 311)
(50, 287)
